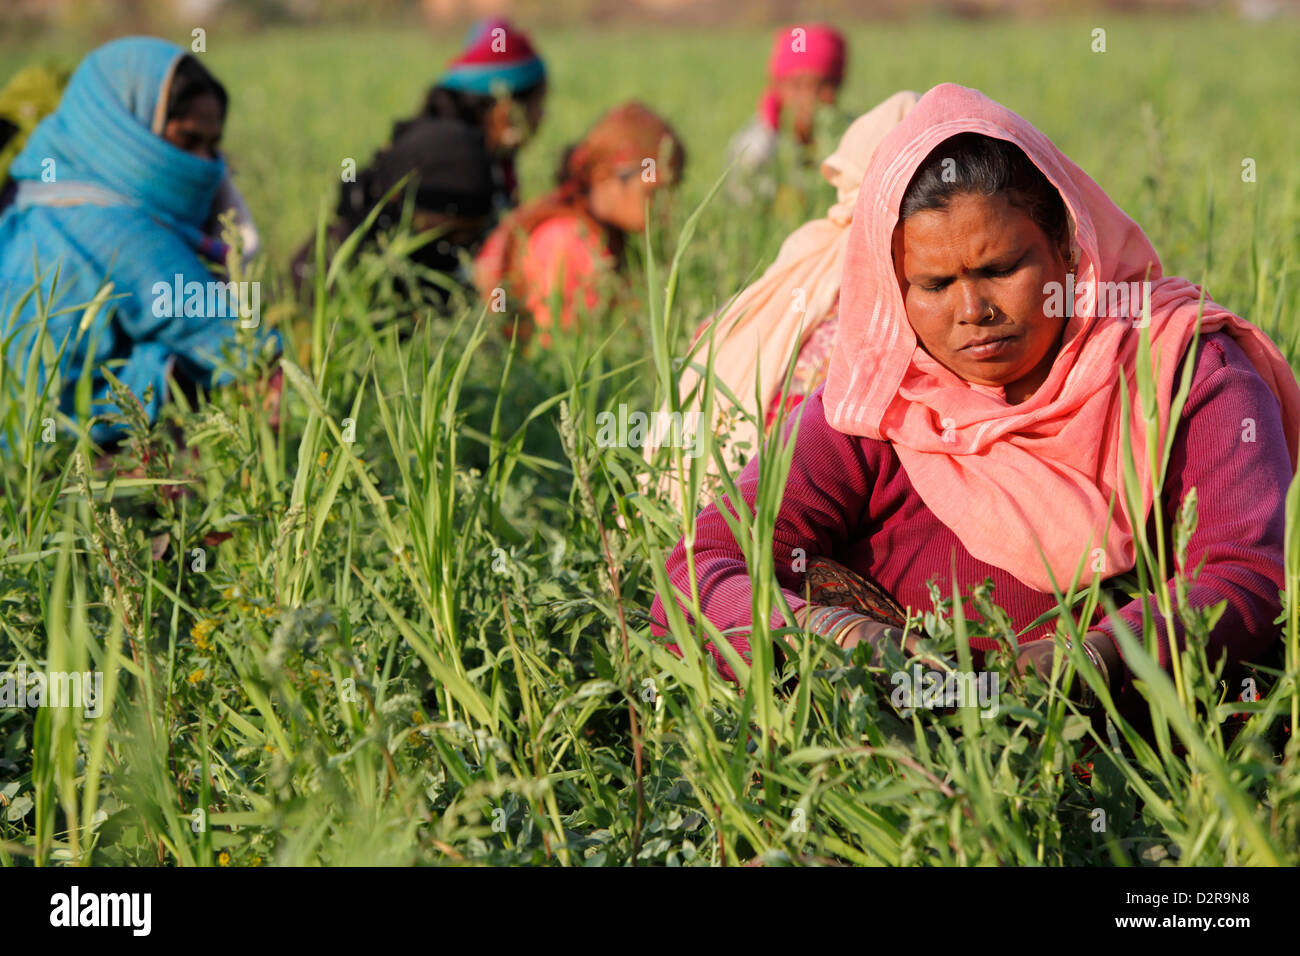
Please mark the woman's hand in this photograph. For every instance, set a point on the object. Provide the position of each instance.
(1038, 656)
(884, 638)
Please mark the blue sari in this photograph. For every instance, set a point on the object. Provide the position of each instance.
(102, 197)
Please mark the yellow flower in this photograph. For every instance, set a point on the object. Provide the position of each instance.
(270, 748)
(268, 612)
(323, 459)
(255, 861)
(224, 858)
(200, 631)
(196, 676)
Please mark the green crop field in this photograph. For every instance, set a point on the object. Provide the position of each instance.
(431, 644)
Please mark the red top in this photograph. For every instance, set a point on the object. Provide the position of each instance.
(561, 253)
(849, 498)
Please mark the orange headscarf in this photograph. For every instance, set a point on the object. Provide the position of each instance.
(1007, 477)
(625, 137)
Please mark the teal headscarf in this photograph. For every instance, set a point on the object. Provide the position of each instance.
(104, 197)
(107, 131)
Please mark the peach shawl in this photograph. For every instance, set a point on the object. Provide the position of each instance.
(1006, 478)
(765, 326)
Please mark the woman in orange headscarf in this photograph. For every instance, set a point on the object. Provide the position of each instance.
(561, 244)
(972, 420)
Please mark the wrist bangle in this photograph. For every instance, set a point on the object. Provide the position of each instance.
(833, 622)
(1088, 697)
(1092, 655)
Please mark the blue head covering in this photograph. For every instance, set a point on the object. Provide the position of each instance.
(107, 132)
(102, 196)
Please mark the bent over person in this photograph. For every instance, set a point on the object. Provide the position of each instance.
(116, 186)
(970, 421)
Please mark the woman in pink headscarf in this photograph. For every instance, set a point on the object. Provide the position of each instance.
(805, 72)
(972, 415)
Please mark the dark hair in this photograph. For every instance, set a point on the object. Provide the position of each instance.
(450, 170)
(974, 163)
(191, 80)
(441, 101)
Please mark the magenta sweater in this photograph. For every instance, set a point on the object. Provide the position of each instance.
(849, 498)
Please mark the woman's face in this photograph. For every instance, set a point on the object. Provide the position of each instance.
(510, 123)
(803, 93)
(978, 271)
(198, 131)
(619, 199)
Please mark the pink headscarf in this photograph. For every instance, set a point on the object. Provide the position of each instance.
(811, 48)
(1005, 477)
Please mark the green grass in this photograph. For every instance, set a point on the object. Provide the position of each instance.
(431, 644)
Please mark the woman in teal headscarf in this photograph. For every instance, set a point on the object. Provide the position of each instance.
(498, 84)
(114, 187)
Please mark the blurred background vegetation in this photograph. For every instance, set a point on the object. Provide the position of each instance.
(119, 16)
(481, 695)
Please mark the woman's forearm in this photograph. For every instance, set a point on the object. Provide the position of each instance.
(825, 490)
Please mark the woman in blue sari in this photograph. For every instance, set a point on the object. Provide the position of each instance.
(114, 187)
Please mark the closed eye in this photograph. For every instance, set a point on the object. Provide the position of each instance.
(938, 285)
(1003, 273)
